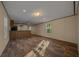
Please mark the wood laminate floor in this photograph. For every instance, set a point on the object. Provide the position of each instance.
(56, 48)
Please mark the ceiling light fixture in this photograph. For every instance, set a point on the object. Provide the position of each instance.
(37, 13)
(24, 10)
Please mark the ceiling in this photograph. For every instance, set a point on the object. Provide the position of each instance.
(22, 11)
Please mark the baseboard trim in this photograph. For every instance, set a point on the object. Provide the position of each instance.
(67, 43)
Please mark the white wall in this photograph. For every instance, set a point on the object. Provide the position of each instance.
(3, 40)
(78, 30)
(23, 27)
(64, 29)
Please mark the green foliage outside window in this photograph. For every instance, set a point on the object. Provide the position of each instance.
(48, 28)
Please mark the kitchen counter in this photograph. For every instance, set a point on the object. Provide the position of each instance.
(20, 34)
